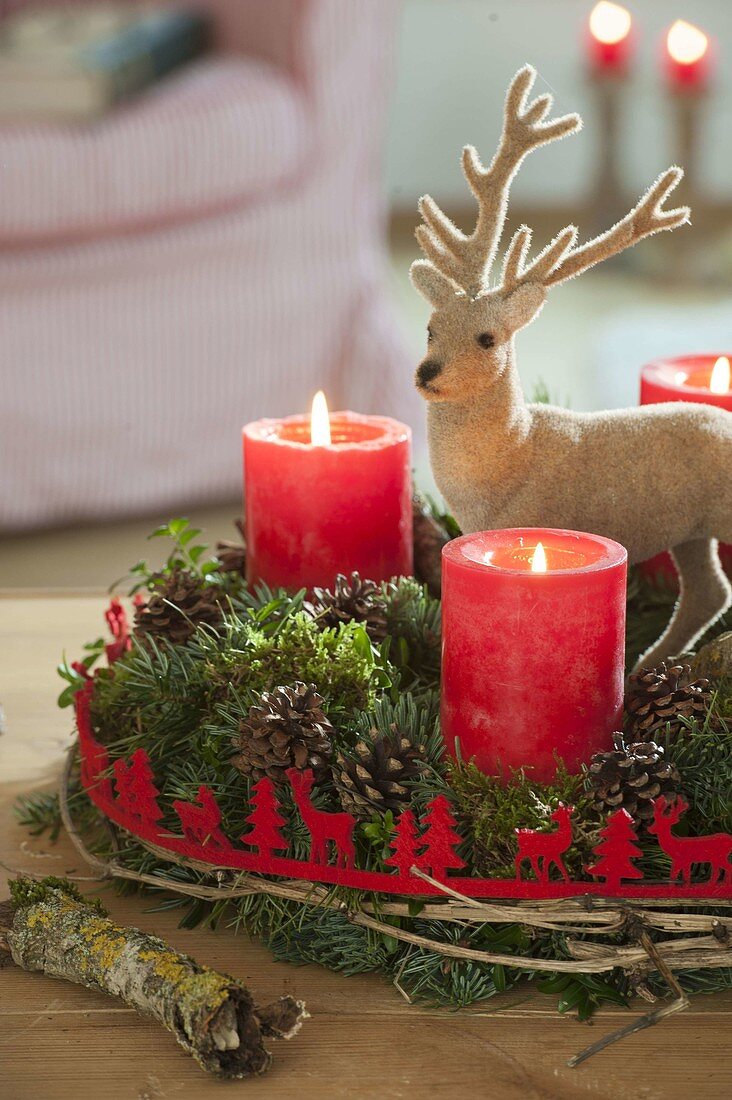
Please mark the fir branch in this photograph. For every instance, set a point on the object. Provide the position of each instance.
(39, 813)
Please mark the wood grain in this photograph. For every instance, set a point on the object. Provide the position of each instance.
(59, 1041)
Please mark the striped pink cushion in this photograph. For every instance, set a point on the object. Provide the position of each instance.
(221, 131)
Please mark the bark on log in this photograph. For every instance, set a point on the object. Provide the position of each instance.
(48, 926)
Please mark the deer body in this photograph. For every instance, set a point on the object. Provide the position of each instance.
(520, 470)
(546, 849)
(201, 823)
(323, 827)
(653, 478)
(684, 852)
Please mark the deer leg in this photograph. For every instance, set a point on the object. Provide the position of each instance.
(559, 864)
(705, 594)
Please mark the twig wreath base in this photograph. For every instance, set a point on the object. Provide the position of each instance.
(585, 914)
(577, 914)
(455, 890)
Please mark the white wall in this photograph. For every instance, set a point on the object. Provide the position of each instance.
(456, 57)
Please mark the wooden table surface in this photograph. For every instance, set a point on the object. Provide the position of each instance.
(363, 1040)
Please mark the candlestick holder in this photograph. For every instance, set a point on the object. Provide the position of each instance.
(609, 42)
(606, 191)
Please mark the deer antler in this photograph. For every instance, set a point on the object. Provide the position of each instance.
(560, 260)
(467, 260)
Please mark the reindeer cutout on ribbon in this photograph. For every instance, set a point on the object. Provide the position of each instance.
(653, 478)
(684, 852)
(202, 823)
(324, 828)
(544, 850)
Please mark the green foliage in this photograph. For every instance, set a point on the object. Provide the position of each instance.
(703, 755)
(73, 677)
(39, 812)
(429, 977)
(186, 553)
(492, 810)
(414, 623)
(582, 993)
(327, 937)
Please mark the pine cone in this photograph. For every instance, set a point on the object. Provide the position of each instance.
(630, 776)
(661, 697)
(288, 729)
(177, 607)
(353, 600)
(372, 778)
(233, 555)
(429, 538)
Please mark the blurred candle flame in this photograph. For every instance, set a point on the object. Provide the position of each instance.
(538, 560)
(609, 23)
(719, 381)
(319, 421)
(686, 44)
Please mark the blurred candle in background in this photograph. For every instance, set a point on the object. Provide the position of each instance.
(609, 46)
(688, 57)
(704, 378)
(610, 39)
(701, 378)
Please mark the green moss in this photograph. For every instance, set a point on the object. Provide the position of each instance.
(492, 811)
(25, 892)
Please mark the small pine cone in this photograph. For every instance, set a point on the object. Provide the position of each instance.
(177, 607)
(429, 538)
(233, 555)
(353, 600)
(288, 729)
(630, 777)
(661, 697)
(371, 779)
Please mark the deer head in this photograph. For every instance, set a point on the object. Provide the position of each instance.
(301, 780)
(670, 812)
(470, 334)
(562, 814)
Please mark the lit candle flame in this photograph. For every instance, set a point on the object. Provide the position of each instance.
(538, 559)
(320, 421)
(719, 381)
(686, 44)
(609, 23)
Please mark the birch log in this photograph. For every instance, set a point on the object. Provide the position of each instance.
(48, 926)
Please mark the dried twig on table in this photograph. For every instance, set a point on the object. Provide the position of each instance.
(48, 926)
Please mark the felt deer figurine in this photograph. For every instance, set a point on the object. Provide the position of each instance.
(653, 478)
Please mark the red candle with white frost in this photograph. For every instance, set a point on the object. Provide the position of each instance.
(327, 496)
(533, 626)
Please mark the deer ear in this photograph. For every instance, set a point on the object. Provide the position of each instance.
(431, 284)
(523, 305)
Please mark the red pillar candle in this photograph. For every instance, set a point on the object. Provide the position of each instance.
(313, 511)
(704, 378)
(532, 662)
(609, 39)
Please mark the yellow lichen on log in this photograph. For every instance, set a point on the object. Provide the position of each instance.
(212, 1015)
